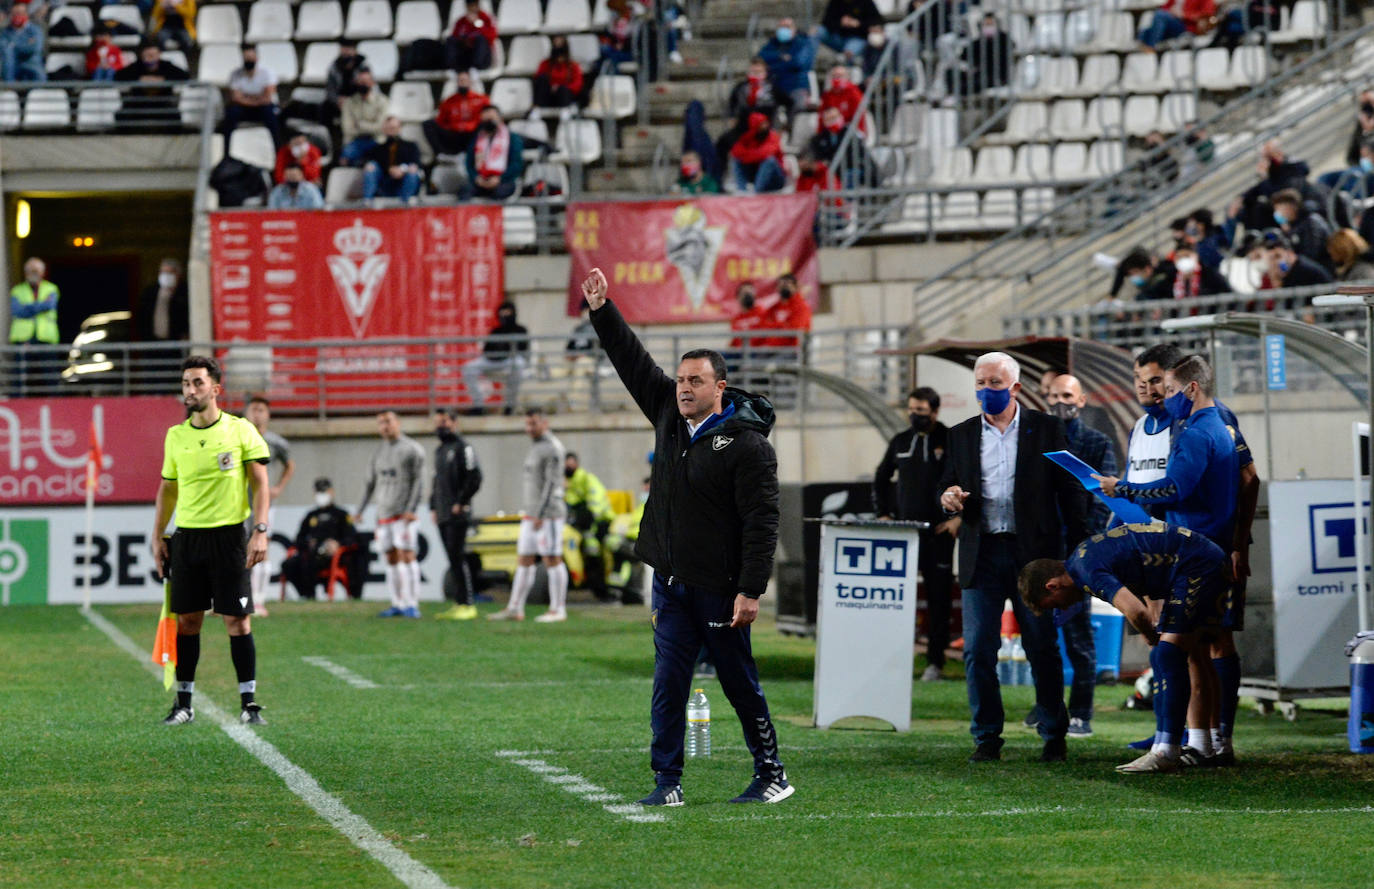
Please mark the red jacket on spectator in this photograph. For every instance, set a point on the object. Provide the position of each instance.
(1192, 12)
(750, 149)
(846, 97)
(819, 179)
(752, 319)
(793, 313)
(459, 114)
(567, 73)
(484, 26)
(105, 55)
(310, 163)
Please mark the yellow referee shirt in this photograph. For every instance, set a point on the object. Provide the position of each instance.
(210, 468)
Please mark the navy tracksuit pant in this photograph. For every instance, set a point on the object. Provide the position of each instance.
(685, 618)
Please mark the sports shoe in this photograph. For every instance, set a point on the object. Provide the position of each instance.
(1150, 763)
(1193, 758)
(766, 790)
(1055, 750)
(506, 614)
(1080, 728)
(932, 673)
(466, 612)
(179, 715)
(665, 795)
(1032, 719)
(988, 751)
(450, 613)
(411, 612)
(393, 611)
(551, 617)
(1143, 743)
(251, 714)
(1223, 759)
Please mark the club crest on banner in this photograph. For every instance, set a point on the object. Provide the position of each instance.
(358, 270)
(693, 248)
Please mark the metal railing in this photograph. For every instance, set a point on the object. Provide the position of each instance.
(85, 106)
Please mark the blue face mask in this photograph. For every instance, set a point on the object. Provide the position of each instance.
(1280, 219)
(784, 34)
(993, 401)
(1138, 280)
(1179, 406)
(1157, 411)
(1367, 165)
(1283, 268)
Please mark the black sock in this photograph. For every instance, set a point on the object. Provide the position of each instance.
(245, 656)
(188, 655)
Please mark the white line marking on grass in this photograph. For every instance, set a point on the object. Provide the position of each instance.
(580, 787)
(355, 829)
(1033, 810)
(339, 671)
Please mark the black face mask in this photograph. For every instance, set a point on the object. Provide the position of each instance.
(486, 127)
(250, 64)
(746, 301)
(786, 292)
(560, 55)
(463, 90)
(445, 434)
(568, 471)
(505, 320)
(1065, 411)
(921, 422)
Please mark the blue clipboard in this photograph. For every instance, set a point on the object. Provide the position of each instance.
(1124, 510)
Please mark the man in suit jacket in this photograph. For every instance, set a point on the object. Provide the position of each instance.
(1015, 506)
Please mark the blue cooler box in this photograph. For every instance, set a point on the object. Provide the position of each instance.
(1107, 634)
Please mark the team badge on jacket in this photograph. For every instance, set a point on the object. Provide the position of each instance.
(720, 442)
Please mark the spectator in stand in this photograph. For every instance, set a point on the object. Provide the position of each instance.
(252, 96)
(452, 129)
(1306, 231)
(985, 62)
(693, 178)
(1286, 267)
(873, 53)
(164, 306)
(617, 40)
(393, 165)
(340, 83)
(825, 145)
(103, 59)
(470, 44)
(845, 26)
(294, 192)
(1277, 172)
(173, 23)
(495, 159)
(1364, 128)
(300, 150)
(148, 103)
(1192, 278)
(1350, 256)
(1200, 151)
(750, 318)
(558, 81)
(1175, 17)
(21, 48)
(790, 57)
(758, 158)
(1358, 178)
(791, 312)
(1158, 160)
(1210, 241)
(363, 114)
(944, 17)
(505, 353)
(1249, 15)
(755, 93)
(1153, 277)
(841, 93)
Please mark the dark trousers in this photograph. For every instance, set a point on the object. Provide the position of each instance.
(993, 583)
(1082, 653)
(454, 534)
(550, 95)
(445, 141)
(686, 618)
(303, 572)
(937, 573)
(462, 54)
(268, 115)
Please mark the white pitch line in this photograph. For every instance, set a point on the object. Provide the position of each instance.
(355, 829)
(1033, 810)
(580, 787)
(339, 671)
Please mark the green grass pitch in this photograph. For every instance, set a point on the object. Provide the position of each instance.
(474, 748)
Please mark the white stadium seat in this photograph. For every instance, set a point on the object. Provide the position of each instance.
(382, 57)
(517, 225)
(518, 17)
(318, 58)
(1141, 115)
(253, 145)
(124, 14)
(95, 109)
(1175, 71)
(1306, 21)
(270, 20)
(1033, 163)
(993, 164)
(1100, 74)
(343, 185)
(279, 56)
(613, 95)
(1104, 117)
(416, 19)
(219, 24)
(1025, 121)
(80, 16)
(579, 139)
(1070, 162)
(1106, 157)
(1213, 67)
(319, 20)
(1139, 72)
(567, 17)
(1249, 66)
(218, 61)
(368, 19)
(1176, 111)
(526, 52)
(412, 102)
(1068, 120)
(45, 108)
(513, 95)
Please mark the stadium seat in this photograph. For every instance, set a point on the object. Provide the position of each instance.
(526, 52)
(1249, 66)
(1115, 33)
(451, 86)
(218, 61)
(1070, 162)
(1176, 111)
(918, 215)
(448, 178)
(1306, 21)
(998, 209)
(601, 14)
(993, 164)
(904, 128)
(95, 109)
(253, 145)
(456, 11)
(513, 95)
(1175, 71)
(280, 57)
(270, 20)
(319, 20)
(219, 24)
(1080, 29)
(1047, 34)
(518, 17)
(1058, 76)
(10, 114)
(567, 17)
(553, 175)
(368, 19)
(959, 212)
(1213, 67)
(56, 61)
(382, 57)
(577, 139)
(1140, 115)
(1100, 73)
(1032, 163)
(318, 58)
(941, 129)
(531, 129)
(1139, 72)
(124, 14)
(173, 57)
(192, 102)
(414, 132)
(518, 225)
(613, 96)
(1106, 157)
(412, 102)
(1035, 202)
(1103, 117)
(344, 184)
(80, 17)
(47, 108)
(585, 49)
(416, 19)
(1025, 121)
(955, 167)
(1067, 120)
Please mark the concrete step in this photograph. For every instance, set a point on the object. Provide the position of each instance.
(624, 180)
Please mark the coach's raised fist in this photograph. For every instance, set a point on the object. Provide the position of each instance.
(594, 288)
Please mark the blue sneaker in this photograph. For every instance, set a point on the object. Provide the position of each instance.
(411, 612)
(391, 612)
(1143, 744)
(766, 790)
(665, 795)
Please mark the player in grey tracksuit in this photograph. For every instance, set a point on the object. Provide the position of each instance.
(541, 524)
(395, 474)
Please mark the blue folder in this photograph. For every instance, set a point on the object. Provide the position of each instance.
(1124, 510)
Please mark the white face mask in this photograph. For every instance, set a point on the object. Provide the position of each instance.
(300, 150)
(322, 499)
(1186, 265)
(876, 39)
(167, 280)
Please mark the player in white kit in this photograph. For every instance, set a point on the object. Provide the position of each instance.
(396, 475)
(541, 525)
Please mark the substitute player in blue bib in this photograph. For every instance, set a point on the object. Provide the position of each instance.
(1182, 574)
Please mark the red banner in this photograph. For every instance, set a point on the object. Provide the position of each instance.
(44, 444)
(678, 261)
(433, 272)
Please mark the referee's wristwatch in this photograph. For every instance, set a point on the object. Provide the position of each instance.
(260, 528)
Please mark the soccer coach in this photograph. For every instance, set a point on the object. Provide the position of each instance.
(208, 462)
(709, 531)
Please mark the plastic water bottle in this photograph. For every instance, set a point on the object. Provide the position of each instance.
(1004, 662)
(698, 724)
(1020, 667)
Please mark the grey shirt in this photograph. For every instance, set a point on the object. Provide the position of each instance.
(543, 494)
(396, 475)
(278, 450)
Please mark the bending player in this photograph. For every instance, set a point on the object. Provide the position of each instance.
(1181, 572)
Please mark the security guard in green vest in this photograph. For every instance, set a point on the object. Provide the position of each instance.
(33, 306)
(589, 511)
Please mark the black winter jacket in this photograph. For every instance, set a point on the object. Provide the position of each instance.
(456, 477)
(712, 515)
(918, 461)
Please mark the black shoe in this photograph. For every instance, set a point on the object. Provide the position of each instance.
(1055, 750)
(251, 714)
(179, 715)
(1032, 718)
(988, 751)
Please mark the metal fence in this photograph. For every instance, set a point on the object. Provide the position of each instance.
(167, 107)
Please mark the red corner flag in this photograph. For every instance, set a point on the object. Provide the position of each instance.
(94, 460)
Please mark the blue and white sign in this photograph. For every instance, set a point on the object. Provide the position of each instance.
(865, 623)
(1276, 361)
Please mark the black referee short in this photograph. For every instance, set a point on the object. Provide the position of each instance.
(208, 571)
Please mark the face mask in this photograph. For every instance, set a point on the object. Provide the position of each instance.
(989, 30)
(505, 319)
(250, 64)
(1179, 405)
(921, 422)
(690, 170)
(445, 434)
(784, 34)
(1284, 267)
(1064, 411)
(1187, 265)
(19, 19)
(1280, 219)
(839, 81)
(166, 280)
(1138, 280)
(1192, 231)
(150, 64)
(1367, 165)
(877, 39)
(322, 499)
(746, 301)
(786, 292)
(300, 150)
(487, 127)
(567, 472)
(836, 127)
(464, 90)
(993, 401)
(1157, 411)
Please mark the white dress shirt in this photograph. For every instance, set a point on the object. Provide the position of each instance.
(999, 475)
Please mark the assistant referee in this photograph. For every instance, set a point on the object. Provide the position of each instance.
(208, 463)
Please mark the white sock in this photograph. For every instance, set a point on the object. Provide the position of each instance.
(558, 587)
(393, 586)
(520, 588)
(405, 582)
(1200, 739)
(414, 583)
(1170, 751)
